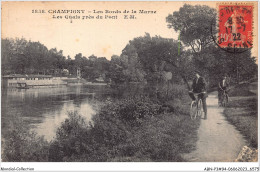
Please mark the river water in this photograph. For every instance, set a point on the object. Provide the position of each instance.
(44, 109)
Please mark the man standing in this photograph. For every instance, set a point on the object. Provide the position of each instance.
(199, 86)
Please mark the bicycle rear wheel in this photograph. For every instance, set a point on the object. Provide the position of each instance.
(193, 110)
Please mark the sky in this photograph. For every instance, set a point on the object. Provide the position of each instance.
(101, 37)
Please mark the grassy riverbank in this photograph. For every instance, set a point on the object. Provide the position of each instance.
(242, 111)
(133, 129)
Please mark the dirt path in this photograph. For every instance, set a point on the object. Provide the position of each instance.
(218, 141)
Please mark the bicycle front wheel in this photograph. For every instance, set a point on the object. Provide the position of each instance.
(193, 110)
(199, 110)
(224, 101)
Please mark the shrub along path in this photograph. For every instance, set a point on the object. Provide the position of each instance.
(218, 141)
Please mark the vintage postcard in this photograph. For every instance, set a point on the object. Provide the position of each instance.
(135, 81)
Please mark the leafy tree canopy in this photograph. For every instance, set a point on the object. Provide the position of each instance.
(194, 24)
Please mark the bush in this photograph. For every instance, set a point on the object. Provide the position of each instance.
(71, 139)
(133, 129)
(23, 145)
(106, 137)
(168, 92)
(132, 110)
(163, 138)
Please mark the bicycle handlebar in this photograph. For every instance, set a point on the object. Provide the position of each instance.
(197, 93)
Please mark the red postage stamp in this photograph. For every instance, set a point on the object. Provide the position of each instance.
(235, 26)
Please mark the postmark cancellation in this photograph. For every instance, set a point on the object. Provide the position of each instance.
(235, 25)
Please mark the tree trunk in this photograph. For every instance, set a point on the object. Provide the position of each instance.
(186, 82)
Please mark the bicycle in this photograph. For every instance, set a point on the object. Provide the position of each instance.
(224, 99)
(196, 106)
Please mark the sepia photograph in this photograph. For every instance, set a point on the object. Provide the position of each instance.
(134, 81)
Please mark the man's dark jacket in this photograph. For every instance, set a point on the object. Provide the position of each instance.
(200, 86)
(221, 83)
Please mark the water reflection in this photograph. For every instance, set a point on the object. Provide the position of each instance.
(51, 123)
(44, 109)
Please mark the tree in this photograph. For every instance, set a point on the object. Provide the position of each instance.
(194, 24)
(155, 53)
(6, 56)
(36, 58)
(150, 52)
(13, 55)
(133, 68)
(57, 61)
(117, 66)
